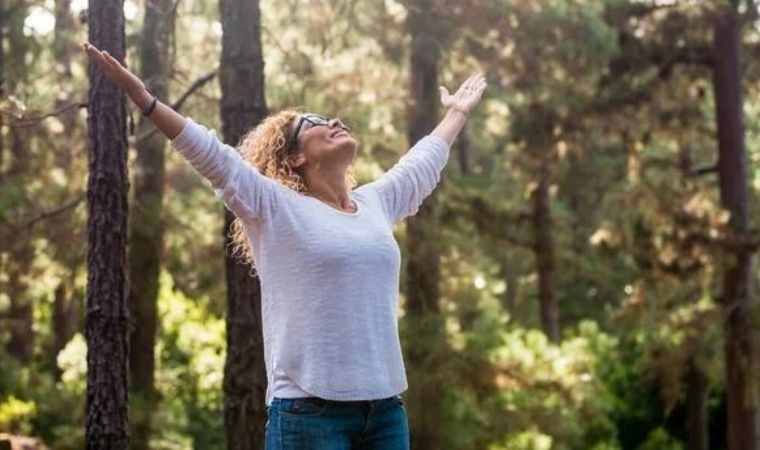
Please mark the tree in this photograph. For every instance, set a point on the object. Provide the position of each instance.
(106, 322)
(146, 228)
(422, 252)
(16, 179)
(738, 298)
(241, 77)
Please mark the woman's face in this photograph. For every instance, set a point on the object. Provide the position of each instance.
(318, 145)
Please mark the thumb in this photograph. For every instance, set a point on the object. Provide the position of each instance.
(443, 90)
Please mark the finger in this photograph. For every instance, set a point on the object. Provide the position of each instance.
(463, 86)
(468, 83)
(91, 51)
(95, 53)
(479, 79)
(477, 84)
(111, 60)
(476, 79)
(99, 60)
(103, 62)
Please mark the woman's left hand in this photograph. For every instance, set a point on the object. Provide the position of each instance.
(466, 97)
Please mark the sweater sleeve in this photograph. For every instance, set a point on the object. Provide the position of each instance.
(412, 179)
(243, 189)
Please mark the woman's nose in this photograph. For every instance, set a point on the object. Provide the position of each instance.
(337, 122)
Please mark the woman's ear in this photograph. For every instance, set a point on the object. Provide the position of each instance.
(295, 161)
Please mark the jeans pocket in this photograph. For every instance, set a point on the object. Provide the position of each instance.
(303, 406)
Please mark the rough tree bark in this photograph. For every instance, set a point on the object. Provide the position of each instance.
(422, 237)
(146, 228)
(738, 298)
(106, 322)
(241, 77)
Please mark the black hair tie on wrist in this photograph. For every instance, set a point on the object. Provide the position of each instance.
(152, 106)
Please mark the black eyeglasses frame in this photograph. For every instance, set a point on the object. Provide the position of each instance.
(315, 120)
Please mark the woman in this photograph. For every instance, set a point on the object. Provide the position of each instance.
(326, 256)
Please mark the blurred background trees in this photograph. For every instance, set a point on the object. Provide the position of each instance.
(581, 279)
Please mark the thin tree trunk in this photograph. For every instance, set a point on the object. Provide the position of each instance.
(64, 322)
(544, 249)
(243, 106)
(65, 304)
(697, 390)
(739, 302)
(146, 230)
(21, 254)
(422, 236)
(106, 323)
(63, 49)
(3, 25)
(463, 150)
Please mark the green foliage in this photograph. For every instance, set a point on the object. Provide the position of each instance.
(659, 439)
(16, 415)
(190, 355)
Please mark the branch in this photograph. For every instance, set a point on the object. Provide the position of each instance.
(47, 214)
(194, 87)
(703, 170)
(34, 120)
(731, 241)
(177, 105)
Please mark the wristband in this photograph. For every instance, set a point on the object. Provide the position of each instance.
(147, 112)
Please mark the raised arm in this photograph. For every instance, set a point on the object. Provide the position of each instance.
(412, 179)
(168, 121)
(458, 107)
(248, 194)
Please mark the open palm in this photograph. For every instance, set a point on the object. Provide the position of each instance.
(467, 96)
(113, 69)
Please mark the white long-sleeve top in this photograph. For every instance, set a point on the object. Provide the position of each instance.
(329, 278)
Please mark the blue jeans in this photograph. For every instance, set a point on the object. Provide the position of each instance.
(313, 423)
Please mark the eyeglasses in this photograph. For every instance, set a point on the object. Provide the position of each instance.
(315, 120)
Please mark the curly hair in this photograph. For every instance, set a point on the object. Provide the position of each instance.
(263, 146)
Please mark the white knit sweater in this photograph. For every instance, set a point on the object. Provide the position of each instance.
(329, 278)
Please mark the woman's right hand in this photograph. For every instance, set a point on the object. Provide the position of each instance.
(114, 70)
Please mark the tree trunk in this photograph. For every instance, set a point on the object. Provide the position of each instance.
(146, 230)
(3, 24)
(21, 253)
(544, 249)
(243, 105)
(422, 237)
(463, 151)
(63, 49)
(697, 419)
(106, 322)
(64, 322)
(739, 303)
(66, 308)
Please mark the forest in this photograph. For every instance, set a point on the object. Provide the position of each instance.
(582, 278)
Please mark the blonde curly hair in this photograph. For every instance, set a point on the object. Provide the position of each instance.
(263, 146)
